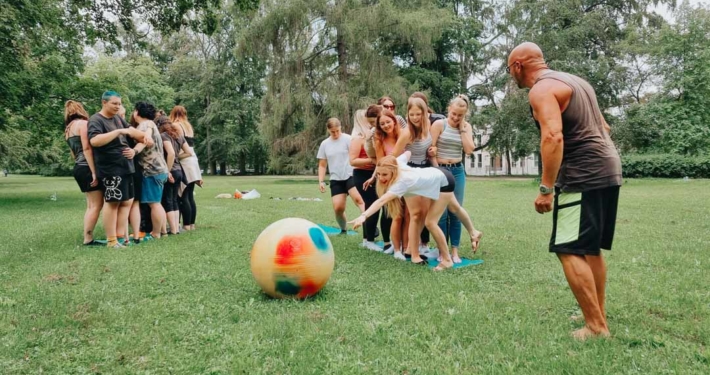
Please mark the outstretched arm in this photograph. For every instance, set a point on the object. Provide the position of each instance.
(375, 207)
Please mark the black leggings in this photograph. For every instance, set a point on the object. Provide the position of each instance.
(188, 209)
(369, 196)
(170, 192)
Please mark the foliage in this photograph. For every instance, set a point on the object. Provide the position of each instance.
(665, 166)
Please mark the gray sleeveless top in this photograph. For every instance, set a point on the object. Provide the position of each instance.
(418, 148)
(449, 144)
(589, 160)
(77, 148)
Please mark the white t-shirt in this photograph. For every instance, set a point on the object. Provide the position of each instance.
(337, 153)
(425, 182)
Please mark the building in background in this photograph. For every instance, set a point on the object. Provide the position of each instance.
(483, 163)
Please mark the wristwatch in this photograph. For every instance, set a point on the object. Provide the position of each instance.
(544, 190)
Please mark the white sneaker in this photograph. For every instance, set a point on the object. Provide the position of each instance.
(398, 255)
(423, 249)
(389, 250)
(373, 246)
(431, 253)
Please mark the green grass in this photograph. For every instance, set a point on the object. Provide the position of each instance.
(188, 304)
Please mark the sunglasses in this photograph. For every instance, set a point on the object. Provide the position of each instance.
(390, 107)
(507, 68)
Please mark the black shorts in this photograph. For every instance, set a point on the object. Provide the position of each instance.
(82, 175)
(449, 188)
(118, 188)
(338, 187)
(583, 223)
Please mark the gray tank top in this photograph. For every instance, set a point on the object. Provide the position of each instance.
(419, 148)
(449, 144)
(77, 148)
(590, 160)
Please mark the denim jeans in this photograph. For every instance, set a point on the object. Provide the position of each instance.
(449, 223)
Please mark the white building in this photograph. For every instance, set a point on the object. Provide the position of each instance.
(483, 163)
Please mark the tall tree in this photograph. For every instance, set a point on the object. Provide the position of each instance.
(328, 58)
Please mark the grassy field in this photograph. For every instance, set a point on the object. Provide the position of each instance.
(188, 305)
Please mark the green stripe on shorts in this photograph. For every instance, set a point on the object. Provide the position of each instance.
(568, 218)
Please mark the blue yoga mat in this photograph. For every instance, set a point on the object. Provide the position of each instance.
(332, 231)
(465, 262)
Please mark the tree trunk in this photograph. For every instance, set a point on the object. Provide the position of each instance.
(213, 167)
(243, 163)
(209, 138)
(507, 156)
(539, 163)
(345, 118)
(222, 169)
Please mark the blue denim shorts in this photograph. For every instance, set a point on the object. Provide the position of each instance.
(153, 188)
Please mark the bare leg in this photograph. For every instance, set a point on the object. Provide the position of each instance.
(396, 233)
(173, 221)
(357, 199)
(460, 212)
(598, 266)
(134, 217)
(110, 216)
(94, 203)
(339, 208)
(415, 224)
(122, 219)
(581, 280)
(157, 215)
(432, 223)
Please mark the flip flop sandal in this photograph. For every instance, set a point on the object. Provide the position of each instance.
(424, 262)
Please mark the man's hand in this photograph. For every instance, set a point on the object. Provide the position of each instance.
(129, 153)
(357, 223)
(543, 203)
(171, 179)
(321, 186)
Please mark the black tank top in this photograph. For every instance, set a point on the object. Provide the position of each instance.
(190, 140)
(77, 148)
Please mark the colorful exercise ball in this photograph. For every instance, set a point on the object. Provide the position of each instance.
(292, 258)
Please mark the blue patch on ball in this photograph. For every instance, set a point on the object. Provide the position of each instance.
(319, 239)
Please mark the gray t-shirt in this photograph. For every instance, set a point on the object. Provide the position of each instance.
(109, 159)
(151, 158)
(337, 153)
(590, 160)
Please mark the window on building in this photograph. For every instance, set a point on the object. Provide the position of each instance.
(480, 161)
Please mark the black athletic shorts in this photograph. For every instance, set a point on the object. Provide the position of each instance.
(82, 175)
(583, 223)
(338, 187)
(117, 188)
(449, 188)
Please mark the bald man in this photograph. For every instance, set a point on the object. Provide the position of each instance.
(581, 176)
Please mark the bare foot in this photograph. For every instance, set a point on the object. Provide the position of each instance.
(443, 266)
(476, 240)
(585, 333)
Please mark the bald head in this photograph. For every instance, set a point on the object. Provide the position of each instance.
(524, 62)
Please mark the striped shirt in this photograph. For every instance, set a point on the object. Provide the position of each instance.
(449, 145)
(419, 148)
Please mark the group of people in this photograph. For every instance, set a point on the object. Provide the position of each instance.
(416, 165)
(419, 159)
(140, 172)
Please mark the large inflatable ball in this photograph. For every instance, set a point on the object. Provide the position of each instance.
(292, 258)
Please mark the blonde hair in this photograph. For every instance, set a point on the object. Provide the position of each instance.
(460, 100)
(414, 131)
(333, 122)
(179, 115)
(389, 163)
(360, 125)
